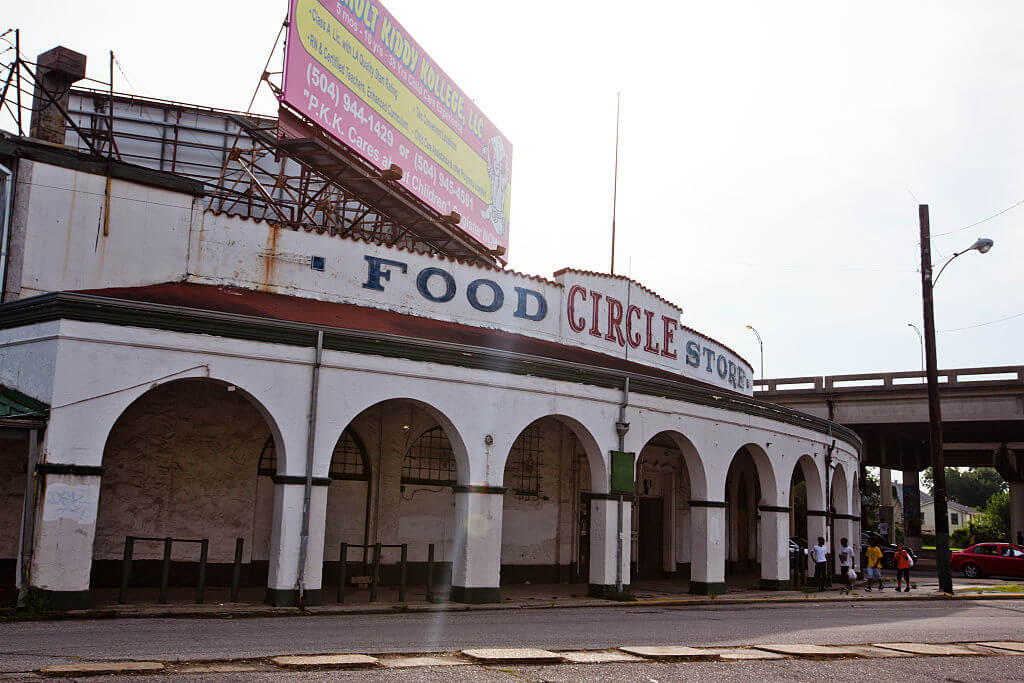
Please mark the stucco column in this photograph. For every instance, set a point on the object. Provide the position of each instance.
(775, 547)
(604, 534)
(1016, 509)
(476, 566)
(285, 540)
(65, 529)
(707, 560)
(912, 510)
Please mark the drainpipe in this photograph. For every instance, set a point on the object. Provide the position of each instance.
(6, 216)
(308, 495)
(830, 521)
(621, 428)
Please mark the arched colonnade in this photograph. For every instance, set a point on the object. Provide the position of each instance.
(509, 485)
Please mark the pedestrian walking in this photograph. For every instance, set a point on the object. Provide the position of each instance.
(874, 568)
(903, 564)
(820, 555)
(846, 564)
(1020, 538)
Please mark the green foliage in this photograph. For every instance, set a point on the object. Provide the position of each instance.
(994, 525)
(972, 488)
(34, 606)
(871, 485)
(997, 514)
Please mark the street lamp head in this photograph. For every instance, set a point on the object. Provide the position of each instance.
(982, 245)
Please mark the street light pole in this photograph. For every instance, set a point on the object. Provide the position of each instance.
(942, 560)
(760, 344)
(920, 339)
(938, 460)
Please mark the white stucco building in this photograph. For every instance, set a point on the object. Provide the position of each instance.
(168, 371)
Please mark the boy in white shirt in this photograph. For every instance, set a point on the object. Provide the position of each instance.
(820, 555)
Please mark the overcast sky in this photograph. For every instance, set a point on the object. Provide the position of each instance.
(771, 151)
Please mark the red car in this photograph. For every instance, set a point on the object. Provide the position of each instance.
(993, 559)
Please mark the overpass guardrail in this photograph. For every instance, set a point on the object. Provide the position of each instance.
(988, 376)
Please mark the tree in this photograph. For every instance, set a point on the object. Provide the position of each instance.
(972, 488)
(997, 514)
(994, 524)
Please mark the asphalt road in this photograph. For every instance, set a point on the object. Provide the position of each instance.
(31, 645)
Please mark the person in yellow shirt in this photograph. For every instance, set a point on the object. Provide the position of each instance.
(874, 555)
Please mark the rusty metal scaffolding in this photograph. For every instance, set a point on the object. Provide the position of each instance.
(283, 169)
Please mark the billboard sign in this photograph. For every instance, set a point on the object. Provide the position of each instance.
(356, 72)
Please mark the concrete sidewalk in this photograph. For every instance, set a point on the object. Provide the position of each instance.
(523, 596)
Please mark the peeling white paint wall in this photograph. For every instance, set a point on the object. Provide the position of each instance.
(61, 243)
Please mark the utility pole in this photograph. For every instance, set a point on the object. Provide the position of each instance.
(942, 559)
(615, 190)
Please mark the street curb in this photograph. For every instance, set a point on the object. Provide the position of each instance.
(274, 612)
(490, 658)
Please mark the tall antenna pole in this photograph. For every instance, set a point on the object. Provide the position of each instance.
(615, 191)
(17, 67)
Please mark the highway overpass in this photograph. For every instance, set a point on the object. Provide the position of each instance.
(982, 418)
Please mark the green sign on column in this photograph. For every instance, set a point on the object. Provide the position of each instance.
(622, 472)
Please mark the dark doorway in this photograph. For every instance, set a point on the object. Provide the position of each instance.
(651, 539)
(583, 548)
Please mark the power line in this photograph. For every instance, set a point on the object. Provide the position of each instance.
(983, 220)
(794, 266)
(991, 322)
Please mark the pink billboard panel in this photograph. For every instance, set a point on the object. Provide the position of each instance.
(356, 72)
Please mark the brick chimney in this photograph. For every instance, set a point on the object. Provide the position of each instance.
(57, 70)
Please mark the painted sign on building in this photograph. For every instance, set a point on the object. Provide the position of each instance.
(607, 314)
(356, 72)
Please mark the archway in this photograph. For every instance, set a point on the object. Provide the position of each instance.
(750, 483)
(669, 476)
(546, 508)
(13, 465)
(807, 496)
(393, 473)
(840, 508)
(182, 462)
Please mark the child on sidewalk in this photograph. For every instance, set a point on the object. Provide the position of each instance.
(845, 564)
(902, 568)
(874, 565)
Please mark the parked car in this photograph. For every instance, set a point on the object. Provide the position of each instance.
(888, 550)
(797, 547)
(989, 559)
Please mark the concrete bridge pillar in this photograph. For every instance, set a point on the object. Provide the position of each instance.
(707, 561)
(912, 510)
(1017, 511)
(885, 511)
(775, 548)
(476, 570)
